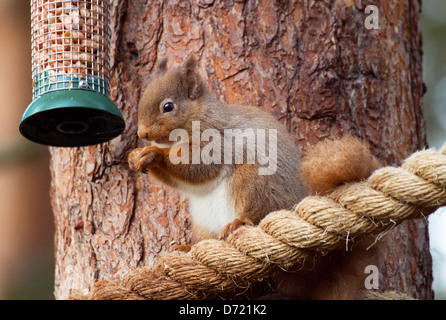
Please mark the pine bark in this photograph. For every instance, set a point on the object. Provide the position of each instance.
(312, 64)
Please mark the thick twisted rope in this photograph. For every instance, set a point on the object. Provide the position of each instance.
(286, 238)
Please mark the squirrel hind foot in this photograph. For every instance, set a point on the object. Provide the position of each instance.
(232, 226)
(333, 162)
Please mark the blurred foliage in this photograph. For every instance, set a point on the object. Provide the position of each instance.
(18, 151)
(35, 283)
(433, 26)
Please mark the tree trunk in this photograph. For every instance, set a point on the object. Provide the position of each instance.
(312, 64)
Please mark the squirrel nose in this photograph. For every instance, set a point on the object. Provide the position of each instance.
(143, 134)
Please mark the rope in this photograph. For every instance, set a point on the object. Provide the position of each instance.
(285, 238)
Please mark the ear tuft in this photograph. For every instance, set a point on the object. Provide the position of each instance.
(190, 63)
(191, 78)
(161, 66)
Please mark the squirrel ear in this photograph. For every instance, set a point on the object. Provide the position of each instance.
(161, 66)
(190, 63)
(191, 78)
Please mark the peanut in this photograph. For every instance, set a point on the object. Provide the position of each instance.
(69, 36)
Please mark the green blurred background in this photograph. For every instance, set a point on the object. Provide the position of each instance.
(26, 222)
(433, 26)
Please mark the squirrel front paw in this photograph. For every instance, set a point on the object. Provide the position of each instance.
(143, 159)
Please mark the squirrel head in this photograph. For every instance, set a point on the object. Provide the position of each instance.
(172, 99)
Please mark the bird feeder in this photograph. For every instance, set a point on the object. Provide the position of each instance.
(70, 71)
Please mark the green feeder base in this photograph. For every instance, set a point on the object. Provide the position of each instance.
(71, 118)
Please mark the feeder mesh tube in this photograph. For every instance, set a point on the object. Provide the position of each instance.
(70, 45)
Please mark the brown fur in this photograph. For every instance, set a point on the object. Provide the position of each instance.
(333, 162)
(250, 195)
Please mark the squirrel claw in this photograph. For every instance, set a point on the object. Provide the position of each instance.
(142, 159)
(234, 225)
(133, 158)
(147, 160)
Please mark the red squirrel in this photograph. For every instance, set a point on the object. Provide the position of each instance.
(225, 191)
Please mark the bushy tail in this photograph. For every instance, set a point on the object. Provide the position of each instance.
(333, 162)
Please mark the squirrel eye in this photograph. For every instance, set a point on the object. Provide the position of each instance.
(168, 107)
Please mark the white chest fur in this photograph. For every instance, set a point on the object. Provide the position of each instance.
(211, 206)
